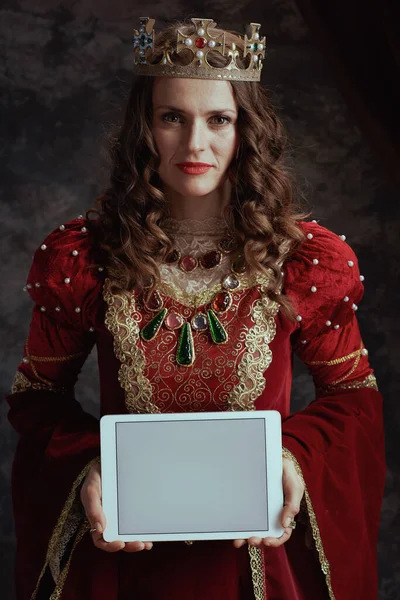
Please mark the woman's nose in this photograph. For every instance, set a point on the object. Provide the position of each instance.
(197, 137)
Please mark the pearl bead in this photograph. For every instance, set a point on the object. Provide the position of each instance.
(100, 269)
(336, 326)
(29, 286)
(315, 261)
(199, 54)
(256, 36)
(25, 360)
(43, 308)
(350, 263)
(260, 46)
(354, 306)
(255, 58)
(299, 318)
(304, 341)
(91, 329)
(188, 42)
(211, 44)
(37, 284)
(362, 277)
(62, 227)
(328, 323)
(80, 216)
(313, 289)
(78, 310)
(67, 280)
(84, 230)
(200, 31)
(75, 252)
(43, 246)
(24, 289)
(342, 237)
(346, 299)
(310, 236)
(364, 352)
(58, 308)
(314, 221)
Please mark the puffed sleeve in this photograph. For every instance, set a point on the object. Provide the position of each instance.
(336, 442)
(58, 439)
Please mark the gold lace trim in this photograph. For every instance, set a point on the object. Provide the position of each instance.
(56, 595)
(256, 556)
(337, 361)
(195, 300)
(57, 531)
(325, 566)
(368, 382)
(21, 384)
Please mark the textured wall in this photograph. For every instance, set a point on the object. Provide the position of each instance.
(65, 70)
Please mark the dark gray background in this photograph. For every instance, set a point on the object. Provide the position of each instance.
(65, 70)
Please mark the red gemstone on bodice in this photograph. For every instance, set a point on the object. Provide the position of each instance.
(154, 302)
(221, 302)
(188, 263)
(200, 42)
(211, 259)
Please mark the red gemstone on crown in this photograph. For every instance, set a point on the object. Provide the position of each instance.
(222, 301)
(210, 259)
(188, 263)
(200, 42)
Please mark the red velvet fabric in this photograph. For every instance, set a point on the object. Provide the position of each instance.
(337, 440)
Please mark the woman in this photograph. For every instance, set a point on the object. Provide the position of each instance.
(197, 279)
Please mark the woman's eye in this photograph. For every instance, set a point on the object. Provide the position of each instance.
(170, 118)
(221, 120)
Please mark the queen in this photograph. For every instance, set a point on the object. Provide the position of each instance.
(197, 277)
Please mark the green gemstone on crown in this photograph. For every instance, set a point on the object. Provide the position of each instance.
(185, 355)
(218, 333)
(150, 330)
(255, 46)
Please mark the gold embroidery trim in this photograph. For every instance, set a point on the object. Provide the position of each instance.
(21, 384)
(32, 358)
(256, 556)
(368, 382)
(325, 566)
(56, 595)
(336, 361)
(55, 536)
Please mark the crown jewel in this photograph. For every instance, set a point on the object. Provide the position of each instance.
(202, 41)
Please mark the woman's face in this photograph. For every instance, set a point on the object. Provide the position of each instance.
(194, 121)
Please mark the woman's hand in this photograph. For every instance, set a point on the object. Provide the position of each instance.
(293, 490)
(91, 500)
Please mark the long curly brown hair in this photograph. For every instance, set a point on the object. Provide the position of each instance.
(263, 214)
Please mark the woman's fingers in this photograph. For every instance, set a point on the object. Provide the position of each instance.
(239, 543)
(137, 546)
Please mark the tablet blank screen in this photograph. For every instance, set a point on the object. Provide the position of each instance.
(191, 476)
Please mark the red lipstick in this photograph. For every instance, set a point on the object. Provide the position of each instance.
(194, 168)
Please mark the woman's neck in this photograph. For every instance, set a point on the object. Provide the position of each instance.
(198, 207)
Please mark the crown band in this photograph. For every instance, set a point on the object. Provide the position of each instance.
(200, 43)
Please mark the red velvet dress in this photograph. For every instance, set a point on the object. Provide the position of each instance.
(336, 443)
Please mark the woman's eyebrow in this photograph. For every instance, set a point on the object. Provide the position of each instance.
(180, 110)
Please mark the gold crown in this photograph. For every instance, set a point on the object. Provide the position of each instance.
(200, 42)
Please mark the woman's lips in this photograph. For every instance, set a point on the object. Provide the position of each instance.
(194, 168)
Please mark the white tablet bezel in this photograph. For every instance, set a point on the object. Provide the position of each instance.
(273, 482)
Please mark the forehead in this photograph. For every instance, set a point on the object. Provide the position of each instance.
(200, 95)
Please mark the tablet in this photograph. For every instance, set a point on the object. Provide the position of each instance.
(191, 476)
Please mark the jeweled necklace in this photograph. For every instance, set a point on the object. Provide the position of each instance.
(201, 321)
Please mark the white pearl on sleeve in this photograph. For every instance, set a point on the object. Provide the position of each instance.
(29, 286)
(350, 263)
(43, 308)
(78, 310)
(43, 246)
(25, 360)
(58, 308)
(314, 221)
(336, 326)
(346, 299)
(91, 329)
(62, 227)
(354, 306)
(304, 341)
(364, 352)
(328, 323)
(75, 252)
(299, 318)
(310, 236)
(67, 280)
(313, 288)
(362, 277)
(24, 289)
(37, 284)
(100, 269)
(342, 237)
(315, 261)
(84, 230)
